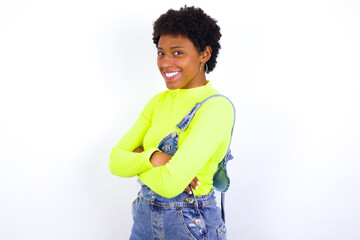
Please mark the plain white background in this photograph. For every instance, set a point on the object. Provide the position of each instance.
(76, 74)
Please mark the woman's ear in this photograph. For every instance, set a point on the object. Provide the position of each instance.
(206, 54)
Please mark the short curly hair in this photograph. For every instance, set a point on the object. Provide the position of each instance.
(194, 24)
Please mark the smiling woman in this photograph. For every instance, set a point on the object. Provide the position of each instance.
(174, 146)
(180, 63)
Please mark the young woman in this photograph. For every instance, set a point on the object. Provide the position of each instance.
(174, 152)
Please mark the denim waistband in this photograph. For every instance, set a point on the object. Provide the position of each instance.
(182, 200)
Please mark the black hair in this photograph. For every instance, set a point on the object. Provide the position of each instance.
(194, 24)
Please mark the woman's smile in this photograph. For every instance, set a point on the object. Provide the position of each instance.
(171, 75)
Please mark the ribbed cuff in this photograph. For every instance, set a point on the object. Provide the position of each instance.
(147, 155)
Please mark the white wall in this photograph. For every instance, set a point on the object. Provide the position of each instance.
(75, 75)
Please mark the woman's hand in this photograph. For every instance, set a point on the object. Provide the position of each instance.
(139, 150)
(194, 183)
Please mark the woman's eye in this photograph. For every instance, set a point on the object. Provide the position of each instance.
(177, 53)
(160, 53)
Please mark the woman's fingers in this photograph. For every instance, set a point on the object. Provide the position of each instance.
(188, 190)
(194, 183)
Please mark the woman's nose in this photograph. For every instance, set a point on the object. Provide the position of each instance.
(166, 61)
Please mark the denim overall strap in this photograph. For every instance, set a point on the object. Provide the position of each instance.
(184, 124)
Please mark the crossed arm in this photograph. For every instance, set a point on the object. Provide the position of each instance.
(159, 159)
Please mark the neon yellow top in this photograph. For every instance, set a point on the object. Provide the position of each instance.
(201, 146)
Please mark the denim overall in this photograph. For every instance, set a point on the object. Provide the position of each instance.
(185, 216)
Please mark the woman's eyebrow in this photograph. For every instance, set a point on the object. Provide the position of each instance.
(176, 47)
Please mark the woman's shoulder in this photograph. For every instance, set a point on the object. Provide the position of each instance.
(217, 99)
(218, 104)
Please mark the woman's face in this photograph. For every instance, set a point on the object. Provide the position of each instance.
(179, 62)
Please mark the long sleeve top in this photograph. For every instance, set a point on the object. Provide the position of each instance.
(201, 146)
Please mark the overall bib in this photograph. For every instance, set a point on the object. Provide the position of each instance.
(185, 216)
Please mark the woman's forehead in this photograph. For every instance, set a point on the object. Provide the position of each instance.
(172, 41)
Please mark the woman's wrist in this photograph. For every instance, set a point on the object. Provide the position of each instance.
(159, 158)
(151, 156)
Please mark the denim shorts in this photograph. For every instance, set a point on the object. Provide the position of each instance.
(182, 217)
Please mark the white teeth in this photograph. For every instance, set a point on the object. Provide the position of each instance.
(171, 74)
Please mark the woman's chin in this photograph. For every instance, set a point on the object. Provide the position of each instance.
(172, 85)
